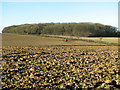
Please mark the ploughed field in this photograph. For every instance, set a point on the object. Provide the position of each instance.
(63, 67)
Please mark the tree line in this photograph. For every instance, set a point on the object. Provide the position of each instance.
(70, 29)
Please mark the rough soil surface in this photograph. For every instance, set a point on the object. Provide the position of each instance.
(62, 67)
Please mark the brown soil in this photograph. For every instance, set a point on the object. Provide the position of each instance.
(61, 67)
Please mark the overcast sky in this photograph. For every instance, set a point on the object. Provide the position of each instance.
(16, 13)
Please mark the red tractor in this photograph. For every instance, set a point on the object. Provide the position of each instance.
(65, 40)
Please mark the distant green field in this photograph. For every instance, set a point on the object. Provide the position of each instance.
(35, 40)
